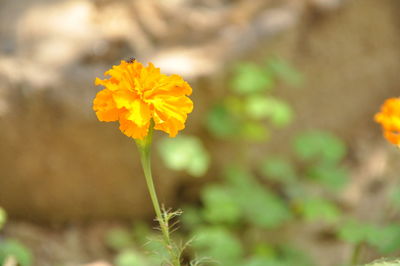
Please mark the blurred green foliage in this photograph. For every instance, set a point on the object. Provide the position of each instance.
(242, 198)
(243, 215)
(395, 197)
(278, 169)
(130, 257)
(281, 69)
(279, 112)
(249, 78)
(240, 201)
(321, 146)
(139, 247)
(12, 248)
(219, 244)
(119, 239)
(17, 250)
(385, 239)
(3, 217)
(184, 153)
(242, 115)
(319, 209)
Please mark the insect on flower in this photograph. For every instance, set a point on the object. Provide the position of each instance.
(135, 95)
(131, 60)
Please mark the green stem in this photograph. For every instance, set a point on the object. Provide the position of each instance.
(146, 165)
(144, 147)
(356, 254)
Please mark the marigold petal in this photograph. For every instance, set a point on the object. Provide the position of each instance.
(110, 84)
(392, 137)
(177, 107)
(124, 98)
(169, 86)
(139, 113)
(170, 126)
(170, 114)
(137, 94)
(389, 118)
(133, 130)
(104, 106)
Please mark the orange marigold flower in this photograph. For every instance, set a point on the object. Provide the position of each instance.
(389, 118)
(134, 95)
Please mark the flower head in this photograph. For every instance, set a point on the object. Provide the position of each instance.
(389, 118)
(134, 95)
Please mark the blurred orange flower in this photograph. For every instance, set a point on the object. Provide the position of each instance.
(134, 95)
(389, 118)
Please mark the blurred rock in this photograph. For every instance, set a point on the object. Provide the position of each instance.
(56, 35)
(326, 5)
(60, 164)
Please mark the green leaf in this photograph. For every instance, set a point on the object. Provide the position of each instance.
(331, 176)
(119, 239)
(386, 239)
(287, 256)
(314, 209)
(254, 131)
(234, 104)
(219, 244)
(286, 72)
(279, 112)
(355, 232)
(282, 114)
(141, 232)
(238, 177)
(3, 217)
(221, 122)
(264, 261)
(264, 250)
(185, 153)
(293, 256)
(278, 169)
(158, 252)
(130, 258)
(220, 205)
(250, 78)
(14, 248)
(316, 145)
(395, 197)
(191, 217)
(259, 107)
(262, 208)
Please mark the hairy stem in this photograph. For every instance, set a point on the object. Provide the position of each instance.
(144, 148)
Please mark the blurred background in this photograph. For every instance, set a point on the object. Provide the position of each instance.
(280, 163)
